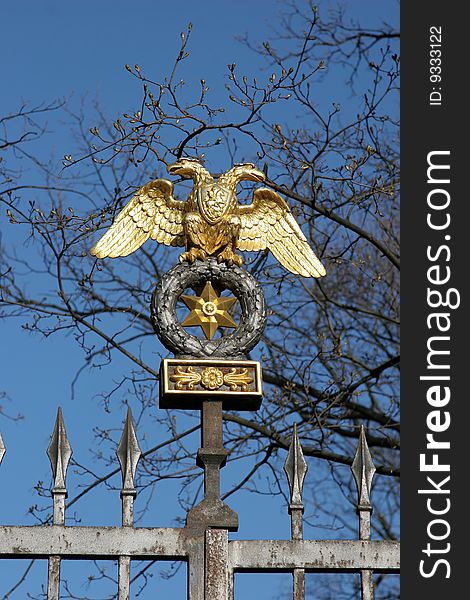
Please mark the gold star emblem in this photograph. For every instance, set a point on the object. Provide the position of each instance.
(208, 311)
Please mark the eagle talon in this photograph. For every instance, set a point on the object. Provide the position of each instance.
(229, 257)
(192, 254)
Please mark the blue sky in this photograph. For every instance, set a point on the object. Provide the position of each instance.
(82, 47)
(51, 50)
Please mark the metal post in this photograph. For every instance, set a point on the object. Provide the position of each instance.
(53, 567)
(216, 563)
(212, 516)
(363, 470)
(128, 453)
(196, 567)
(124, 577)
(367, 583)
(296, 469)
(212, 511)
(296, 535)
(53, 578)
(231, 584)
(59, 452)
(212, 455)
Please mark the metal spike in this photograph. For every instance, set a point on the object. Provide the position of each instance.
(363, 470)
(59, 452)
(2, 449)
(296, 468)
(128, 453)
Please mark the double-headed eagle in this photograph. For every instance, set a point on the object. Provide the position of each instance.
(211, 222)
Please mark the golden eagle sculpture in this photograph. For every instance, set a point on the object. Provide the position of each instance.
(211, 222)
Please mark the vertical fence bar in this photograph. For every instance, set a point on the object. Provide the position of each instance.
(363, 470)
(53, 578)
(296, 468)
(59, 452)
(196, 568)
(128, 453)
(367, 585)
(216, 563)
(299, 584)
(231, 585)
(124, 577)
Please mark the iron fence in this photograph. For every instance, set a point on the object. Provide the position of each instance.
(212, 558)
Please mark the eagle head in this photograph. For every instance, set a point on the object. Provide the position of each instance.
(247, 172)
(189, 168)
(241, 172)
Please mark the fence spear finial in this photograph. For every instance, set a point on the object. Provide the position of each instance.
(2, 449)
(295, 468)
(59, 453)
(128, 453)
(363, 470)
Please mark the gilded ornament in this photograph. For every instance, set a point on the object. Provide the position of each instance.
(235, 379)
(211, 222)
(212, 378)
(188, 378)
(208, 311)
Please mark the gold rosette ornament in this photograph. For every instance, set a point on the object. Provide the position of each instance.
(212, 378)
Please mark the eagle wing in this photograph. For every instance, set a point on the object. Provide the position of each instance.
(152, 213)
(269, 223)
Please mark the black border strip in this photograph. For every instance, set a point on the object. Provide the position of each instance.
(431, 123)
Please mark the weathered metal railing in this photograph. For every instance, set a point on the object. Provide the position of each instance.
(212, 558)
